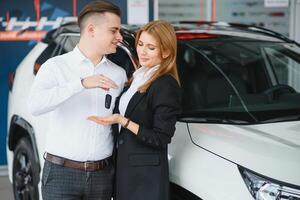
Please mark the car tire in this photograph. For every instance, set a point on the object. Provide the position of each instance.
(25, 172)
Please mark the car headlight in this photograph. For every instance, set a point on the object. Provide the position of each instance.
(262, 188)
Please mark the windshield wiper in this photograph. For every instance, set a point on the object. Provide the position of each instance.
(212, 120)
(284, 118)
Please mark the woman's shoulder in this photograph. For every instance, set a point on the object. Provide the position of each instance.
(165, 90)
(167, 79)
(164, 82)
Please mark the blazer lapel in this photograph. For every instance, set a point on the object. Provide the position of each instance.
(116, 109)
(136, 98)
(115, 127)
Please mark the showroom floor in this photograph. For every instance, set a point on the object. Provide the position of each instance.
(5, 186)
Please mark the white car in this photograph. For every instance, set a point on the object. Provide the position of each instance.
(238, 136)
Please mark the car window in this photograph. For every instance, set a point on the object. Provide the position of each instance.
(122, 59)
(125, 56)
(257, 79)
(286, 66)
(51, 50)
(60, 45)
(68, 44)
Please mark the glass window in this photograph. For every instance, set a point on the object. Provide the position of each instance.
(60, 45)
(122, 59)
(51, 50)
(222, 77)
(68, 44)
(286, 66)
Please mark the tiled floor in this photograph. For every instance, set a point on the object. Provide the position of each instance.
(5, 186)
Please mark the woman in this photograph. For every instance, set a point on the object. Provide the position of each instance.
(147, 118)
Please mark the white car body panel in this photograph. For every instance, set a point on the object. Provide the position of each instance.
(266, 149)
(24, 83)
(204, 174)
(211, 165)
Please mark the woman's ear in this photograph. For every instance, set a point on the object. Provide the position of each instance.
(165, 54)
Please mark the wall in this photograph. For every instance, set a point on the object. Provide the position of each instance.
(252, 12)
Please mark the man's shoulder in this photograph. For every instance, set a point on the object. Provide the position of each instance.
(62, 58)
(56, 61)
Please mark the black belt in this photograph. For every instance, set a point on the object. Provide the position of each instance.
(85, 166)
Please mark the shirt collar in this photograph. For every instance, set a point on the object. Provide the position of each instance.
(103, 60)
(145, 72)
(80, 57)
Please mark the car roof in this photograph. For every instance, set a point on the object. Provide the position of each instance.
(194, 29)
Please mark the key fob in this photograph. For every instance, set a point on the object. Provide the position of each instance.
(107, 101)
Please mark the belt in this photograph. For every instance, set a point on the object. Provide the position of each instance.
(85, 166)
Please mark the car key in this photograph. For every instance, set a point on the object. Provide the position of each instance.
(107, 101)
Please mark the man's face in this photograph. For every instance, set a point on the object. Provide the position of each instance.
(107, 33)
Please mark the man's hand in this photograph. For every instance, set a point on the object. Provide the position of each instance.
(98, 81)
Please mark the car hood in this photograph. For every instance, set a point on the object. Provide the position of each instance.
(272, 150)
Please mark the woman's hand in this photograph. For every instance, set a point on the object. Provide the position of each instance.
(116, 119)
(112, 119)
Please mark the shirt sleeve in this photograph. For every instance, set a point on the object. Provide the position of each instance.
(165, 107)
(46, 93)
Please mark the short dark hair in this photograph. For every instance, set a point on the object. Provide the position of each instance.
(97, 7)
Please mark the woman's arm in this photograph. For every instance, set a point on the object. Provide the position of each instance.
(165, 100)
(116, 119)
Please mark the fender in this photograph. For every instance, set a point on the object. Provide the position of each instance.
(19, 128)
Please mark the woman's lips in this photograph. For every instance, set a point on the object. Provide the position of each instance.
(144, 59)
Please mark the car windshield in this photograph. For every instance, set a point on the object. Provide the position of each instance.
(239, 80)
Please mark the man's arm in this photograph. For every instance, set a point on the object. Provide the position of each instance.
(46, 93)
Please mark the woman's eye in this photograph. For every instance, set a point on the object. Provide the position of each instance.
(151, 48)
(140, 44)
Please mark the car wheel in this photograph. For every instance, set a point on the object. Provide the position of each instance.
(25, 172)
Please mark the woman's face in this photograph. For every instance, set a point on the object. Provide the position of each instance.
(148, 50)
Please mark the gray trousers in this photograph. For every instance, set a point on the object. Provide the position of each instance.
(62, 183)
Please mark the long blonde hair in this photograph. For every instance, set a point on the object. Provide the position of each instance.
(165, 35)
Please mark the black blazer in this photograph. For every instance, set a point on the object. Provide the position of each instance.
(141, 160)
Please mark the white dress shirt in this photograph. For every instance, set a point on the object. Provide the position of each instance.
(140, 76)
(57, 89)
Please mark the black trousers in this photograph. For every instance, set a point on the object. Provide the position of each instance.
(62, 183)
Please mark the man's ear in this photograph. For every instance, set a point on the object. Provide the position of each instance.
(90, 29)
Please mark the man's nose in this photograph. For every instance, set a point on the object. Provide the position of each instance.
(119, 37)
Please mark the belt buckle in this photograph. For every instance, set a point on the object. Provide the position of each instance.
(86, 164)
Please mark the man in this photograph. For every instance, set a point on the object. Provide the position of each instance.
(72, 87)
